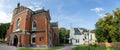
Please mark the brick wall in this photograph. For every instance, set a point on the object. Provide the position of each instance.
(26, 19)
(57, 36)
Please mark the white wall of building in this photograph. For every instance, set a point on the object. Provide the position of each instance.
(80, 39)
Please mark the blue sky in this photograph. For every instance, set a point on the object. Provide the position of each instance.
(78, 13)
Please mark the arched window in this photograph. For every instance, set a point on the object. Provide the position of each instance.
(34, 25)
(33, 38)
(18, 24)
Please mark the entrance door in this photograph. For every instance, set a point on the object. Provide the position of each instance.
(15, 41)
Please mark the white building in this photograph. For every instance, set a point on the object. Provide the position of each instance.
(80, 36)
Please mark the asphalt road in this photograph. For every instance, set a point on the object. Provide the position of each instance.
(5, 47)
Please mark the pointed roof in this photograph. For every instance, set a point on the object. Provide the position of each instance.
(77, 31)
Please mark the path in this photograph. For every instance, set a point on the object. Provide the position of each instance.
(68, 47)
(5, 47)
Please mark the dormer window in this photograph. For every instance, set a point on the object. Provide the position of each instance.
(33, 25)
(18, 24)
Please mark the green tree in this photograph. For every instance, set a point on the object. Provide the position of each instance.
(67, 36)
(63, 35)
(117, 24)
(108, 28)
(3, 29)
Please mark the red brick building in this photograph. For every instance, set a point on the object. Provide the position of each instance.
(32, 28)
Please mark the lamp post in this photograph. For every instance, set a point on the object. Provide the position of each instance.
(88, 41)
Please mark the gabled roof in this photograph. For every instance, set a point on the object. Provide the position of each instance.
(84, 30)
(77, 31)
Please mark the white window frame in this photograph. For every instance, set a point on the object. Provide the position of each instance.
(33, 36)
(34, 28)
(18, 23)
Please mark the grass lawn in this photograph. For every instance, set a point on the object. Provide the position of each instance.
(80, 47)
(54, 48)
(1, 41)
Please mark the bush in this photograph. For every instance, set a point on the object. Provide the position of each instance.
(94, 44)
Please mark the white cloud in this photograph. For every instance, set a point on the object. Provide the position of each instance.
(5, 6)
(31, 7)
(97, 9)
(59, 9)
(36, 6)
(66, 20)
(8, 6)
(1, 3)
(4, 17)
(101, 15)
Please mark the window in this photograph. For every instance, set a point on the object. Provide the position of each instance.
(77, 40)
(85, 36)
(41, 38)
(33, 25)
(33, 39)
(55, 36)
(18, 24)
(91, 37)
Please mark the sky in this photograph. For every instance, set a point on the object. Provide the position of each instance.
(76, 13)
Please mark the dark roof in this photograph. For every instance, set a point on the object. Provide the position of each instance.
(40, 12)
(84, 30)
(77, 32)
(54, 24)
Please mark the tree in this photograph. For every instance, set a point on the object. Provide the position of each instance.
(63, 35)
(67, 36)
(108, 28)
(3, 30)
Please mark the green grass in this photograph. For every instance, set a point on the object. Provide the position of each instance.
(54, 48)
(81, 47)
(33, 49)
(1, 41)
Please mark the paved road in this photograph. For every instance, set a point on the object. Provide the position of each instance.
(68, 47)
(5, 47)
